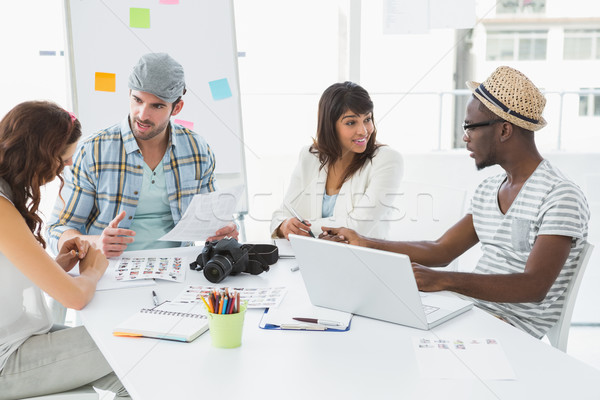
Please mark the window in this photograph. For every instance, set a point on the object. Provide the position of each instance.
(520, 6)
(589, 104)
(582, 44)
(516, 45)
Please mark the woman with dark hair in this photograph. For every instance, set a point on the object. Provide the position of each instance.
(37, 139)
(344, 177)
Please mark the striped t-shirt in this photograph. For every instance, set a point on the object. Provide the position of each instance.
(548, 204)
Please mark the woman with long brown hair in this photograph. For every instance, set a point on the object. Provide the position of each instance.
(343, 179)
(37, 139)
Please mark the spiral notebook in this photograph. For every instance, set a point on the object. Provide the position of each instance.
(170, 321)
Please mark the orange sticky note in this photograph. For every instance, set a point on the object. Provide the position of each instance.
(105, 82)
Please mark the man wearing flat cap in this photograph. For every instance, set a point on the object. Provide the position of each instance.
(131, 183)
(532, 222)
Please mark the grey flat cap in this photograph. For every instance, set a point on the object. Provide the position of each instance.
(159, 74)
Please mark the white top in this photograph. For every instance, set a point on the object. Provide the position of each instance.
(548, 204)
(23, 310)
(364, 202)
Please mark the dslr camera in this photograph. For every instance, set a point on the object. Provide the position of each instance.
(221, 258)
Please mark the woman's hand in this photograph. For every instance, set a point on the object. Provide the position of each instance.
(71, 252)
(295, 226)
(94, 263)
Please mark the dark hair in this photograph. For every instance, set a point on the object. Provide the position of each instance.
(174, 104)
(335, 100)
(33, 137)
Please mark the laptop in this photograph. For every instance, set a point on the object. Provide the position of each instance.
(371, 283)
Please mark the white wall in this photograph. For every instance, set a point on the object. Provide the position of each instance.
(290, 60)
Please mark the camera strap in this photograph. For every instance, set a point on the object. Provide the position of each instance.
(261, 256)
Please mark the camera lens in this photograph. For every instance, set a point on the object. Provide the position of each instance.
(217, 268)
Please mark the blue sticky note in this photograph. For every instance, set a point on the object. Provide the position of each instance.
(220, 89)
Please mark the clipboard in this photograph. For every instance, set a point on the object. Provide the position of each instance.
(282, 319)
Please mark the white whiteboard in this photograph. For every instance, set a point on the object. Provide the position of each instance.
(199, 34)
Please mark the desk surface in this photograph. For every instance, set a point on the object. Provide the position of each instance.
(374, 359)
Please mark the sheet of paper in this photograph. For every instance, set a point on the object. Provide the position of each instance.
(405, 17)
(206, 213)
(109, 281)
(462, 359)
(456, 14)
(256, 297)
(136, 268)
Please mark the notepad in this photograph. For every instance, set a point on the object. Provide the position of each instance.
(180, 322)
(285, 248)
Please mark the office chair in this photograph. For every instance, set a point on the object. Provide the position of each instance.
(558, 335)
(82, 393)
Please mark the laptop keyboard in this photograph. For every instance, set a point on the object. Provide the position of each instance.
(429, 309)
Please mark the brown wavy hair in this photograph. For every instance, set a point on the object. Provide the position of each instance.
(335, 101)
(33, 137)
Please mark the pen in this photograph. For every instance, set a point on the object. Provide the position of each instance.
(318, 321)
(154, 298)
(301, 327)
(298, 217)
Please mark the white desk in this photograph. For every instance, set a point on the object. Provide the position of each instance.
(373, 359)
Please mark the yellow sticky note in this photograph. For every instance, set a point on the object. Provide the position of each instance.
(139, 17)
(105, 82)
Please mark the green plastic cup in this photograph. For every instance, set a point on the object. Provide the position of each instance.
(226, 329)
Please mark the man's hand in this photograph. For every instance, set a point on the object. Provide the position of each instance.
(71, 252)
(295, 226)
(114, 240)
(228, 230)
(428, 279)
(344, 235)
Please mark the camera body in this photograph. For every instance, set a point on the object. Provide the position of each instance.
(221, 258)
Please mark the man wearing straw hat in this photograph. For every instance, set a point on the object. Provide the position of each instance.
(532, 222)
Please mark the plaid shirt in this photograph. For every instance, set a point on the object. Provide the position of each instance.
(107, 175)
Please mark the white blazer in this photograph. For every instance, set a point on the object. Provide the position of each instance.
(363, 203)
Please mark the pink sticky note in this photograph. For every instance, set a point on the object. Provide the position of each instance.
(187, 124)
(168, 2)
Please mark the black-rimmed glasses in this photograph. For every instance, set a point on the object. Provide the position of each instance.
(470, 127)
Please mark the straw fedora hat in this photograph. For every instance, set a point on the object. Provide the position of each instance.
(513, 97)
